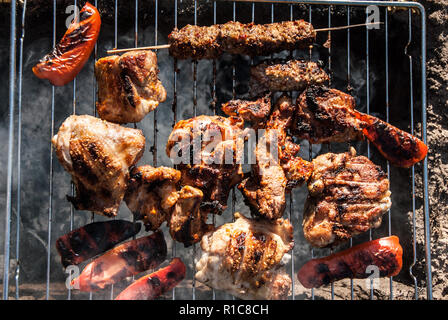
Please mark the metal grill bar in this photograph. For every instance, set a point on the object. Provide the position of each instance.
(12, 77)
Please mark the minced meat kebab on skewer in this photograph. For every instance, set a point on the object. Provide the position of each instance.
(237, 38)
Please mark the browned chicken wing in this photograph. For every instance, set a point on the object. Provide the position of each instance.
(245, 258)
(206, 148)
(252, 111)
(348, 195)
(98, 155)
(152, 193)
(128, 86)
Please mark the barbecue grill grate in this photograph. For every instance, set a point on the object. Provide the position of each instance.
(15, 125)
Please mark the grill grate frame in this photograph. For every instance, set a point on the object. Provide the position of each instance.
(16, 94)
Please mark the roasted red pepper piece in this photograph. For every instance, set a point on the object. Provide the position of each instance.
(125, 260)
(399, 147)
(385, 253)
(69, 56)
(155, 284)
(92, 239)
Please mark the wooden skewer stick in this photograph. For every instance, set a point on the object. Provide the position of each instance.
(166, 46)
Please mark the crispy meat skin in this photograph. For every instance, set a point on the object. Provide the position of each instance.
(244, 258)
(98, 155)
(348, 195)
(326, 115)
(252, 111)
(197, 42)
(188, 222)
(151, 194)
(264, 190)
(292, 75)
(208, 169)
(128, 86)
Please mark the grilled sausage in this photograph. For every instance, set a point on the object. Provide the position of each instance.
(385, 253)
(155, 284)
(92, 239)
(123, 261)
(67, 59)
(399, 147)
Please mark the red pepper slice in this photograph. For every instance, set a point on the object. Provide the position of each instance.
(70, 55)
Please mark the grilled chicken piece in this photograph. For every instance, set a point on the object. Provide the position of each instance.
(92, 239)
(151, 194)
(292, 75)
(329, 115)
(244, 258)
(188, 223)
(326, 115)
(207, 150)
(98, 155)
(277, 168)
(128, 86)
(252, 111)
(348, 195)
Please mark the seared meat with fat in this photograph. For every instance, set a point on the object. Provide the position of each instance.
(244, 258)
(277, 167)
(252, 111)
(98, 155)
(152, 193)
(188, 222)
(207, 152)
(348, 195)
(329, 115)
(292, 75)
(128, 86)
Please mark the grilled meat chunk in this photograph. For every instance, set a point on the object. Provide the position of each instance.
(244, 258)
(207, 150)
(277, 167)
(188, 222)
(98, 155)
(326, 115)
(128, 86)
(293, 75)
(252, 111)
(92, 239)
(329, 115)
(152, 193)
(348, 195)
(250, 39)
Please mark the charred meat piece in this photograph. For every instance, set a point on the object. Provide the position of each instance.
(252, 111)
(125, 260)
(293, 75)
(348, 195)
(98, 155)
(326, 115)
(152, 193)
(188, 222)
(153, 285)
(207, 150)
(92, 239)
(329, 115)
(244, 258)
(71, 53)
(385, 253)
(128, 86)
(277, 168)
(250, 39)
